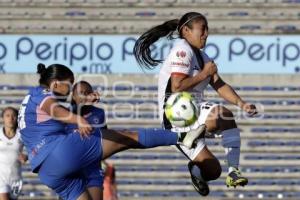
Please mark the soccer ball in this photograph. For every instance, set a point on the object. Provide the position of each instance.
(181, 109)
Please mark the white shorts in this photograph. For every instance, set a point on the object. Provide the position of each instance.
(12, 187)
(205, 109)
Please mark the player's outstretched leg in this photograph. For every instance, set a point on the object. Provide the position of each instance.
(115, 141)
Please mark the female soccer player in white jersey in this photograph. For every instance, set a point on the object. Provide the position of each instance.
(188, 68)
(65, 158)
(11, 156)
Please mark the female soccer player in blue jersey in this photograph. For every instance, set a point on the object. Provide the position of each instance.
(82, 95)
(64, 159)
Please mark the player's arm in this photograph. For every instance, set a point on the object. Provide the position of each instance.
(182, 82)
(227, 92)
(181, 68)
(58, 112)
(22, 156)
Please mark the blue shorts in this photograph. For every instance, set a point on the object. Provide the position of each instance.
(73, 166)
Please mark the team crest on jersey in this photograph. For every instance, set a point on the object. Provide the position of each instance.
(181, 54)
(46, 91)
(96, 120)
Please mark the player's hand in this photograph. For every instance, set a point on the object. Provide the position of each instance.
(249, 108)
(210, 69)
(84, 128)
(92, 98)
(22, 158)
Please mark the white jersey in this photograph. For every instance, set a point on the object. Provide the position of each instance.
(181, 60)
(10, 167)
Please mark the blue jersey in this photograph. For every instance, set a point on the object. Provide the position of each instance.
(39, 131)
(95, 117)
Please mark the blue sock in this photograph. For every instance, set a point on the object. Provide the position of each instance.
(156, 137)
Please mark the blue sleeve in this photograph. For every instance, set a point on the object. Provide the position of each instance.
(41, 96)
(101, 116)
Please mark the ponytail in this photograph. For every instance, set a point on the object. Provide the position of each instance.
(142, 51)
(41, 68)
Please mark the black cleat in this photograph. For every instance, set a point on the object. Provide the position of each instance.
(200, 185)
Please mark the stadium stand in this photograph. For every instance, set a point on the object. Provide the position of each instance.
(270, 142)
(225, 16)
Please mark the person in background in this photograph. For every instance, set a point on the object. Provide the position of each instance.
(110, 191)
(81, 91)
(11, 156)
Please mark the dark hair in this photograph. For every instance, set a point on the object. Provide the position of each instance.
(141, 48)
(9, 108)
(87, 84)
(55, 71)
(15, 112)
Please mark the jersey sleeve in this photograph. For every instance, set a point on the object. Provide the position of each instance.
(101, 115)
(205, 57)
(40, 98)
(180, 61)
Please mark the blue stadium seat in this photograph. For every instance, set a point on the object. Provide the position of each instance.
(75, 13)
(145, 14)
(291, 1)
(148, 116)
(269, 88)
(122, 88)
(268, 102)
(294, 130)
(293, 143)
(249, 88)
(152, 88)
(238, 13)
(287, 102)
(288, 28)
(259, 130)
(22, 87)
(6, 87)
(140, 87)
(271, 157)
(130, 1)
(273, 143)
(289, 88)
(250, 27)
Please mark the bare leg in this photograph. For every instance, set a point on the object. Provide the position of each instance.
(116, 141)
(219, 119)
(209, 165)
(96, 193)
(84, 196)
(4, 196)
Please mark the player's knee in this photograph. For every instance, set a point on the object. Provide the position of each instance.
(213, 170)
(212, 120)
(226, 114)
(226, 119)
